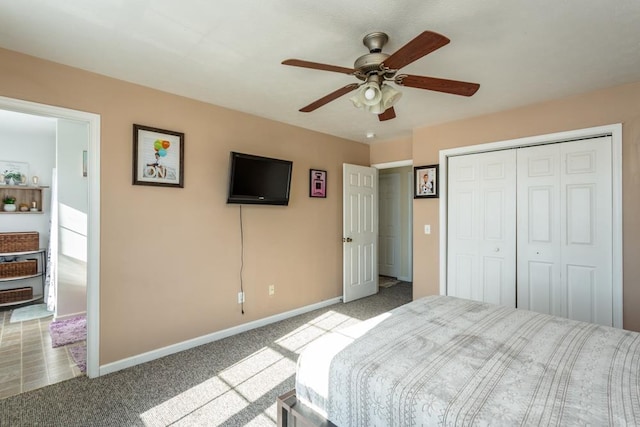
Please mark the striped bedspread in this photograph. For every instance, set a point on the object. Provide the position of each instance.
(447, 361)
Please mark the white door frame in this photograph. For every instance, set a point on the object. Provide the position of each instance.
(93, 217)
(614, 130)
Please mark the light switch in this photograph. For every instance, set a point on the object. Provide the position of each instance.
(427, 229)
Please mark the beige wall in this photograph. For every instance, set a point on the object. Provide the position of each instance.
(615, 105)
(170, 258)
(391, 151)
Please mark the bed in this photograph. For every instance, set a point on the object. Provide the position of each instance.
(448, 361)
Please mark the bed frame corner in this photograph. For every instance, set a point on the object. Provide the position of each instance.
(292, 413)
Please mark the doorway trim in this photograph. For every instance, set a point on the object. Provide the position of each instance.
(93, 214)
(613, 130)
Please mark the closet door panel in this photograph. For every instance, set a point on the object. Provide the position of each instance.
(541, 203)
(582, 304)
(540, 280)
(580, 206)
(495, 290)
(539, 268)
(557, 233)
(587, 243)
(462, 285)
(463, 264)
(481, 218)
(564, 230)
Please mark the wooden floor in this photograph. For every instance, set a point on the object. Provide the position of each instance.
(27, 360)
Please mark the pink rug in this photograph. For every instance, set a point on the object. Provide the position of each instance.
(79, 355)
(67, 331)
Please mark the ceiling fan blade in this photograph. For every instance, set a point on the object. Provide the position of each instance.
(422, 45)
(326, 99)
(318, 66)
(388, 114)
(454, 87)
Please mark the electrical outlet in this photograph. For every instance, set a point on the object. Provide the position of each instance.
(240, 297)
(272, 290)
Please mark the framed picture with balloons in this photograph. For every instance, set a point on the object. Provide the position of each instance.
(158, 157)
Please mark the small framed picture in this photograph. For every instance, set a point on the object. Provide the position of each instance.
(13, 173)
(426, 181)
(317, 183)
(158, 157)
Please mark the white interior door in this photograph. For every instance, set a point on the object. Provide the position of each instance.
(389, 225)
(565, 239)
(360, 232)
(481, 258)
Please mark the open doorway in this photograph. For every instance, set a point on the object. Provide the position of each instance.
(395, 244)
(81, 243)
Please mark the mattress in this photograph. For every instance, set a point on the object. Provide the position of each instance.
(447, 361)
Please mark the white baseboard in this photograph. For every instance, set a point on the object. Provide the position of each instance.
(405, 278)
(66, 316)
(205, 339)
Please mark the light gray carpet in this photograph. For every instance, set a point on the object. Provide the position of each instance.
(231, 382)
(30, 312)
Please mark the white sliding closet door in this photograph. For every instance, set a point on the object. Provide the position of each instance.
(482, 227)
(565, 230)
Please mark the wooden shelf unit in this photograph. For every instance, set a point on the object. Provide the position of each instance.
(23, 194)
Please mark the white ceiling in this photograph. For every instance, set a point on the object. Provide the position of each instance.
(229, 52)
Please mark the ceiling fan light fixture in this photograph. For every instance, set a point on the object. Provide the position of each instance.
(375, 108)
(390, 96)
(357, 100)
(375, 98)
(371, 93)
(369, 97)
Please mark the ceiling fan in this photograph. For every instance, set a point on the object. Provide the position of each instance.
(376, 68)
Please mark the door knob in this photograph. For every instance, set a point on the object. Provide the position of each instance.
(347, 240)
(497, 249)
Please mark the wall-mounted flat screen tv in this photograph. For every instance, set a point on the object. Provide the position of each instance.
(259, 180)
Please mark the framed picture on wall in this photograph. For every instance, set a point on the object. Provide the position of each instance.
(13, 173)
(158, 157)
(317, 183)
(426, 181)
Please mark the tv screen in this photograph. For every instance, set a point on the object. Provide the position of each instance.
(259, 180)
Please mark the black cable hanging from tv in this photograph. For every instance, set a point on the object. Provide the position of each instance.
(241, 261)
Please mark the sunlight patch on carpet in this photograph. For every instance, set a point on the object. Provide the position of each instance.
(225, 396)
